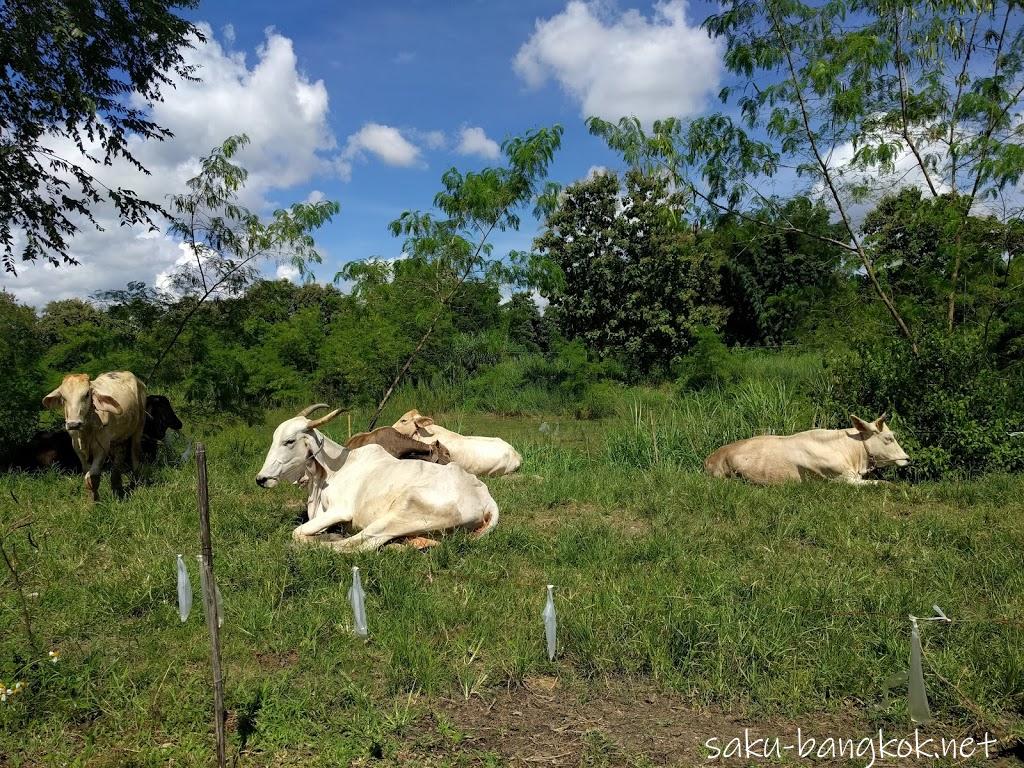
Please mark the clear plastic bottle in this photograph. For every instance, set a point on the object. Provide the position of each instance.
(550, 622)
(184, 590)
(918, 704)
(357, 598)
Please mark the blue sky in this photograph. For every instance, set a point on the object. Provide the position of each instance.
(421, 66)
(366, 103)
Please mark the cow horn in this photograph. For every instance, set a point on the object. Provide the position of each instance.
(323, 419)
(307, 411)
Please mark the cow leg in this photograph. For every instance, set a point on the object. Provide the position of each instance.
(136, 451)
(377, 534)
(116, 478)
(308, 531)
(858, 480)
(117, 482)
(416, 542)
(92, 477)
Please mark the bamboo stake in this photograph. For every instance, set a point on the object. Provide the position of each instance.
(210, 608)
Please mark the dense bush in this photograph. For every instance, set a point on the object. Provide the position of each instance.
(708, 364)
(23, 384)
(953, 411)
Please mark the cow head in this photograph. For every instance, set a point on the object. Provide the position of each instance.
(412, 422)
(294, 444)
(76, 395)
(160, 417)
(880, 442)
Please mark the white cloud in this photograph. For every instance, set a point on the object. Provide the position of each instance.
(473, 141)
(385, 142)
(597, 170)
(288, 272)
(627, 64)
(228, 30)
(435, 139)
(284, 114)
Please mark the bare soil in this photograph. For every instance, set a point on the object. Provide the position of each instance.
(626, 725)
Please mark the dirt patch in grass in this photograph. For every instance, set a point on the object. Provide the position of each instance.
(552, 516)
(544, 723)
(277, 660)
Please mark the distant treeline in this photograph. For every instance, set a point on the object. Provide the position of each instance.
(635, 295)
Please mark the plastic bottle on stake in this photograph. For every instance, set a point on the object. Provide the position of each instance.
(357, 598)
(919, 711)
(184, 590)
(550, 623)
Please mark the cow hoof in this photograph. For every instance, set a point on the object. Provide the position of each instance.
(422, 542)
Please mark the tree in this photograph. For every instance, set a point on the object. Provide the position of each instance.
(776, 278)
(20, 350)
(634, 282)
(854, 95)
(914, 238)
(229, 242)
(83, 71)
(457, 244)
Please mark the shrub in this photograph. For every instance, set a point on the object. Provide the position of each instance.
(953, 410)
(600, 400)
(708, 364)
(20, 351)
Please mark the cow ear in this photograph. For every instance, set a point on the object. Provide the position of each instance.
(864, 427)
(106, 403)
(424, 421)
(54, 399)
(881, 421)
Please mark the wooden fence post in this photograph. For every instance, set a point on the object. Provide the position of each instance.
(210, 607)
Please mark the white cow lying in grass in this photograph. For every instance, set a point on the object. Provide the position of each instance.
(489, 456)
(846, 455)
(377, 495)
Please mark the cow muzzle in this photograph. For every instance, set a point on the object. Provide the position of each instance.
(266, 482)
(72, 426)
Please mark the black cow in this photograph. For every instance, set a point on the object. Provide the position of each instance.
(52, 449)
(46, 450)
(160, 417)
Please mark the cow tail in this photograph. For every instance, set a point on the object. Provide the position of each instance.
(490, 519)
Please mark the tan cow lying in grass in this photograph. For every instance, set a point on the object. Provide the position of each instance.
(104, 415)
(380, 497)
(489, 456)
(833, 454)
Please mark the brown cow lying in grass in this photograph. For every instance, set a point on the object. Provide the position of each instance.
(400, 446)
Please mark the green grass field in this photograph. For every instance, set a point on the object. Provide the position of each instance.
(681, 599)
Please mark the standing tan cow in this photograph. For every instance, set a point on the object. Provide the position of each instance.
(103, 415)
(833, 454)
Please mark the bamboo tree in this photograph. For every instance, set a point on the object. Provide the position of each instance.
(228, 242)
(472, 207)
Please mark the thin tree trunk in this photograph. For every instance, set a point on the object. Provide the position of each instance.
(430, 329)
(866, 261)
(958, 257)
